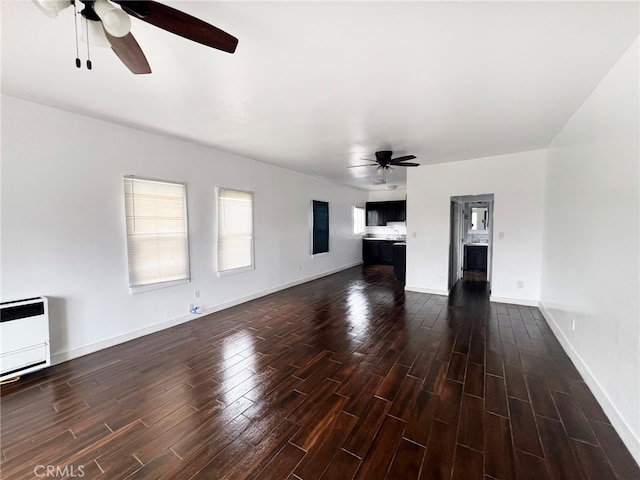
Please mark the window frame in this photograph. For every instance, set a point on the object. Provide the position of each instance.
(146, 287)
(244, 268)
(353, 220)
(315, 230)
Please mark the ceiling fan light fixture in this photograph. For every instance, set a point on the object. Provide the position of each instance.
(384, 163)
(51, 8)
(107, 23)
(115, 21)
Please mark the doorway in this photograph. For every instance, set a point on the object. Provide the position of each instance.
(471, 239)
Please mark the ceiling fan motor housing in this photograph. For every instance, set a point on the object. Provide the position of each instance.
(88, 11)
(383, 157)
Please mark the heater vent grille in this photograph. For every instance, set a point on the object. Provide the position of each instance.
(24, 336)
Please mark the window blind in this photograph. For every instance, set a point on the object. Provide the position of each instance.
(235, 229)
(157, 242)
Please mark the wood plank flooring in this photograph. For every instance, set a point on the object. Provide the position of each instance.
(344, 377)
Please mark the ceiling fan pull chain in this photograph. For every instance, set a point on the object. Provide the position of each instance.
(89, 65)
(75, 25)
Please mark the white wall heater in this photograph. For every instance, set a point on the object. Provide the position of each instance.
(24, 337)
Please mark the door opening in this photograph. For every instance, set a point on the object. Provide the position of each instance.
(471, 239)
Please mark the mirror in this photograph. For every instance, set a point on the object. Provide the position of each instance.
(479, 218)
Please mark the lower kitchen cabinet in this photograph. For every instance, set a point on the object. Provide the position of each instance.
(377, 252)
(400, 261)
(370, 252)
(386, 253)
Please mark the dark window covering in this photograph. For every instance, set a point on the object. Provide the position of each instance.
(320, 227)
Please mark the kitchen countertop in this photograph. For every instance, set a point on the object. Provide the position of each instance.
(384, 239)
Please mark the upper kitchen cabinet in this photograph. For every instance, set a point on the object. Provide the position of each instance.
(396, 211)
(380, 213)
(375, 214)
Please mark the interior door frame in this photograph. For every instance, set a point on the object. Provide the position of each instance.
(490, 247)
(458, 234)
(456, 237)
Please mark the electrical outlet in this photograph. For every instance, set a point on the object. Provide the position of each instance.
(573, 324)
(299, 268)
(500, 235)
(520, 284)
(414, 234)
(196, 294)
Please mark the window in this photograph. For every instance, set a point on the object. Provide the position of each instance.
(320, 234)
(235, 230)
(157, 242)
(358, 220)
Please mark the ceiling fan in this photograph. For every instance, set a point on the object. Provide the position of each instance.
(384, 162)
(111, 26)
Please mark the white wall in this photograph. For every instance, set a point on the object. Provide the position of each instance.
(517, 182)
(387, 195)
(63, 229)
(591, 244)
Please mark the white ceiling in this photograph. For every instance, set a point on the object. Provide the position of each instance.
(315, 86)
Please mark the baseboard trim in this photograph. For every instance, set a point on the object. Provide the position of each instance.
(269, 291)
(410, 288)
(492, 298)
(110, 342)
(113, 341)
(617, 421)
(514, 301)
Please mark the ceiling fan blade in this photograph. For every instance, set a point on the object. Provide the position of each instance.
(363, 165)
(406, 164)
(129, 52)
(180, 23)
(395, 161)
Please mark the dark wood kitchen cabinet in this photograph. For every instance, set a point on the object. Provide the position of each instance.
(370, 251)
(380, 213)
(396, 211)
(375, 214)
(377, 252)
(386, 253)
(400, 261)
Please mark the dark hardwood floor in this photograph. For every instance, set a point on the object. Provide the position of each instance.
(347, 376)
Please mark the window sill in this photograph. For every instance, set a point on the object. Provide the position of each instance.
(233, 271)
(157, 286)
